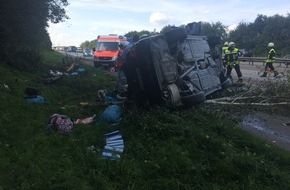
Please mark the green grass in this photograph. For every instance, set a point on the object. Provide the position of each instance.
(164, 149)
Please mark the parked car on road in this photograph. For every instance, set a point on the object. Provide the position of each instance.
(71, 49)
(173, 69)
(87, 53)
(79, 50)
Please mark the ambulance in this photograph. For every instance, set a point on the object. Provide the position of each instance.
(106, 51)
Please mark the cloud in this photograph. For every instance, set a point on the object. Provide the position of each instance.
(90, 18)
(157, 18)
(232, 27)
(111, 5)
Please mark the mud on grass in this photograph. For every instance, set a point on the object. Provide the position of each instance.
(262, 109)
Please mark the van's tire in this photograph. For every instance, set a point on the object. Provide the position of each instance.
(193, 99)
(173, 99)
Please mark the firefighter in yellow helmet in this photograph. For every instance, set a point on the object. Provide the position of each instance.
(225, 46)
(270, 60)
(231, 57)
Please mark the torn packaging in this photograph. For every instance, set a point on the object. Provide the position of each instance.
(108, 135)
(115, 135)
(114, 138)
(115, 142)
(114, 149)
(111, 155)
(114, 145)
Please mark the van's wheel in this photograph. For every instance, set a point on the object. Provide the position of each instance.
(171, 96)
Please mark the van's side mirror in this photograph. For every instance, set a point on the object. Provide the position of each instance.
(94, 49)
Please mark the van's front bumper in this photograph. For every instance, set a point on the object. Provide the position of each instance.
(104, 62)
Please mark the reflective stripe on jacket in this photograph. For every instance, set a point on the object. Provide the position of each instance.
(271, 56)
(223, 51)
(231, 56)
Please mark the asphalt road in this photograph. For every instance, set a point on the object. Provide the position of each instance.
(251, 72)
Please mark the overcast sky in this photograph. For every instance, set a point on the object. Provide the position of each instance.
(90, 18)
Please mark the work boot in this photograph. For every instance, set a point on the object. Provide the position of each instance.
(240, 79)
(275, 73)
(264, 74)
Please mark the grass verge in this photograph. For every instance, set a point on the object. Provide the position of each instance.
(164, 149)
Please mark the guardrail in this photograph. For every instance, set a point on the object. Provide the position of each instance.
(251, 60)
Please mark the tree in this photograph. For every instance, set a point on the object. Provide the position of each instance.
(23, 28)
(89, 44)
(131, 34)
(85, 45)
(255, 36)
(56, 10)
(166, 29)
(214, 29)
(215, 32)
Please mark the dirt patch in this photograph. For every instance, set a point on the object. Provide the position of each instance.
(273, 128)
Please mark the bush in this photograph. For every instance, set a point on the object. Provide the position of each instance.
(23, 58)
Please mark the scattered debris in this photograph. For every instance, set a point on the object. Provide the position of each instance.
(32, 95)
(6, 86)
(114, 145)
(85, 120)
(56, 73)
(60, 123)
(35, 99)
(252, 95)
(112, 69)
(105, 97)
(94, 149)
(111, 114)
(102, 94)
(50, 80)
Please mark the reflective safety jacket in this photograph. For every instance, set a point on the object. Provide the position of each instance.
(223, 51)
(231, 56)
(271, 56)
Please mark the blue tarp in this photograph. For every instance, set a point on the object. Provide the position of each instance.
(111, 114)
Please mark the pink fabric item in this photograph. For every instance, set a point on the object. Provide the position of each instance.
(85, 120)
(61, 123)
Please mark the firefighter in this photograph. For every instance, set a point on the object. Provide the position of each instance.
(231, 57)
(270, 60)
(226, 46)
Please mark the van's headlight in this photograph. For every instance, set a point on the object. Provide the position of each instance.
(114, 58)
